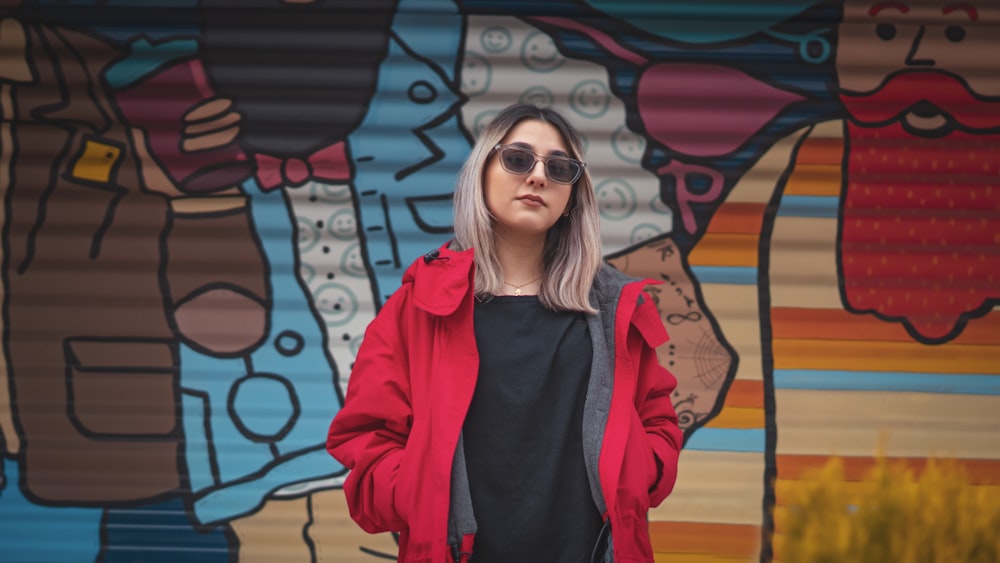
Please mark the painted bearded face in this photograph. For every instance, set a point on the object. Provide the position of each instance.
(920, 228)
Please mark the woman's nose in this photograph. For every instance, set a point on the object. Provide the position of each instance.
(537, 174)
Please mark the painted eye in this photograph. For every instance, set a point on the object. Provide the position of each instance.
(954, 33)
(885, 31)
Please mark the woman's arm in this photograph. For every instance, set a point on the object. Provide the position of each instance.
(654, 390)
(369, 433)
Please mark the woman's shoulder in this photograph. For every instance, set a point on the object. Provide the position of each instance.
(610, 281)
(435, 283)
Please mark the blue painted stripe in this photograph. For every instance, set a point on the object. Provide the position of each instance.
(833, 380)
(740, 275)
(727, 440)
(809, 206)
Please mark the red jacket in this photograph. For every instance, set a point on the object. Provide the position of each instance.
(412, 384)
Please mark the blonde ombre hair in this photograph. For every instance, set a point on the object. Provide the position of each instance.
(572, 252)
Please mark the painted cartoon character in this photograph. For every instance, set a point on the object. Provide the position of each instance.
(877, 272)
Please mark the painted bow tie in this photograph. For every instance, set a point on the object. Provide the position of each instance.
(328, 164)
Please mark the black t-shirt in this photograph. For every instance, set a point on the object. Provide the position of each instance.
(523, 435)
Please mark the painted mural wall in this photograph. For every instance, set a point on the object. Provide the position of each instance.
(204, 202)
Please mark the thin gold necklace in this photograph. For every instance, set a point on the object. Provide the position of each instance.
(517, 288)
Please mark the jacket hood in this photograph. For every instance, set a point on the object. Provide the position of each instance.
(441, 279)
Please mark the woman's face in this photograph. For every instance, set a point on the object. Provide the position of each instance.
(528, 203)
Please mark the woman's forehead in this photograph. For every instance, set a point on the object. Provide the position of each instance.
(540, 136)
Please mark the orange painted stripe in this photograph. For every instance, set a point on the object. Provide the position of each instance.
(978, 471)
(737, 417)
(820, 150)
(738, 217)
(844, 325)
(725, 249)
(854, 491)
(792, 353)
(745, 393)
(815, 179)
(726, 540)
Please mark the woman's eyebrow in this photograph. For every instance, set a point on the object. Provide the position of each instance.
(527, 146)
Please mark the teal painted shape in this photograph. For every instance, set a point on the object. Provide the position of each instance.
(824, 207)
(706, 21)
(737, 275)
(257, 424)
(751, 440)
(405, 133)
(145, 58)
(432, 29)
(32, 532)
(898, 381)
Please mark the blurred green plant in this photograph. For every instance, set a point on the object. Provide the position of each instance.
(894, 515)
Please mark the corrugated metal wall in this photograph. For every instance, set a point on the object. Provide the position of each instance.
(206, 201)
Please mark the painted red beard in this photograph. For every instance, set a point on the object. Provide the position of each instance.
(920, 232)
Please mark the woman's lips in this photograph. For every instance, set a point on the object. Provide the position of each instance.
(532, 200)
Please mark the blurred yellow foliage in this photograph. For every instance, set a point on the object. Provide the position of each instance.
(893, 516)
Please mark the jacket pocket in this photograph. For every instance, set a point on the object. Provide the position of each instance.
(639, 470)
(402, 494)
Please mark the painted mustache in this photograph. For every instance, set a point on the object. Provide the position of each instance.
(923, 92)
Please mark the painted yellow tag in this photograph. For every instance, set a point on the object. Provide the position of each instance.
(96, 161)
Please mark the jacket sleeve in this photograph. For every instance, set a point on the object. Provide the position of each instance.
(654, 390)
(369, 433)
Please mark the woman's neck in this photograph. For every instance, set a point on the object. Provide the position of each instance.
(521, 260)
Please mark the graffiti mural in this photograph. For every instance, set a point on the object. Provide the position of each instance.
(204, 203)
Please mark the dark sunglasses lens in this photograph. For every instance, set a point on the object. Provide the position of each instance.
(516, 160)
(562, 170)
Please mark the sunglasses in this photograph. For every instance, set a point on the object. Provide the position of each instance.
(559, 169)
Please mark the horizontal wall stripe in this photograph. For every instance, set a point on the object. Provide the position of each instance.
(726, 249)
(727, 440)
(803, 322)
(809, 206)
(721, 487)
(735, 275)
(796, 353)
(758, 184)
(738, 417)
(901, 424)
(977, 471)
(815, 179)
(824, 147)
(802, 263)
(726, 540)
(737, 217)
(840, 380)
(745, 393)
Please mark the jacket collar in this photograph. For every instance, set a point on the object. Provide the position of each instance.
(441, 280)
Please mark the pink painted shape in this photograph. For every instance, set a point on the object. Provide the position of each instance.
(602, 39)
(706, 110)
(685, 197)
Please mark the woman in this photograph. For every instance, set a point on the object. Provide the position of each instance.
(507, 400)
